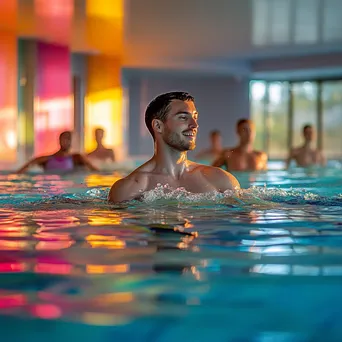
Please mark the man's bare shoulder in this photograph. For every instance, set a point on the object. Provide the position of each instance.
(218, 177)
(131, 186)
(296, 150)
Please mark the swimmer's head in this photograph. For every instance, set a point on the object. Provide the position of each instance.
(65, 139)
(216, 138)
(308, 133)
(172, 118)
(99, 134)
(245, 130)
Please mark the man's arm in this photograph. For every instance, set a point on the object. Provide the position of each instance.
(32, 162)
(125, 189)
(112, 155)
(264, 159)
(289, 158)
(322, 159)
(221, 160)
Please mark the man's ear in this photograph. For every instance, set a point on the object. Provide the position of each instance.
(157, 125)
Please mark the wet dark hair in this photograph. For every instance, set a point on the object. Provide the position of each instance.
(306, 127)
(160, 106)
(99, 129)
(65, 133)
(241, 122)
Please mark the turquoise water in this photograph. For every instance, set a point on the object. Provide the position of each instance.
(265, 268)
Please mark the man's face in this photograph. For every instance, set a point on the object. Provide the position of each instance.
(99, 135)
(65, 141)
(246, 132)
(180, 127)
(309, 134)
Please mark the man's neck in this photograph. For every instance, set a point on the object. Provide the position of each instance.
(307, 145)
(61, 152)
(170, 161)
(246, 147)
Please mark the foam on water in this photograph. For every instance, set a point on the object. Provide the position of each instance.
(164, 194)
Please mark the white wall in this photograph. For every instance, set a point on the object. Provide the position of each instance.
(218, 34)
(220, 101)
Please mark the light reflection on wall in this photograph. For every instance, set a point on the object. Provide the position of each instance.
(8, 97)
(53, 103)
(105, 16)
(53, 19)
(104, 102)
(103, 110)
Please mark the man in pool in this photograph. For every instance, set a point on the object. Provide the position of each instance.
(101, 153)
(62, 160)
(172, 120)
(243, 157)
(306, 155)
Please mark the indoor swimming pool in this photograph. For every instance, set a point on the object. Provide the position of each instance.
(176, 266)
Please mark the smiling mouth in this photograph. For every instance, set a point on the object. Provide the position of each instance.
(190, 134)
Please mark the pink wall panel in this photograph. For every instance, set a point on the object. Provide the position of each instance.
(53, 100)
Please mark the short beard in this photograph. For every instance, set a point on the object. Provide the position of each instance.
(174, 141)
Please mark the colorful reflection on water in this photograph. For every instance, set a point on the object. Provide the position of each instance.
(246, 272)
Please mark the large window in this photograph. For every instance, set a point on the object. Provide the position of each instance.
(281, 109)
(277, 119)
(332, 118)
(258, 103)
(305, 98)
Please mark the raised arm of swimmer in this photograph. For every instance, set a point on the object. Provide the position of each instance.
(83, 160)
(322, 159)
(33, 162)
(221, 160)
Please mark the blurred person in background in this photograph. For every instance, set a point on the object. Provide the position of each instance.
(215, 149)
(243, 157)
(306, 155)
(62, 160)
(101, 153)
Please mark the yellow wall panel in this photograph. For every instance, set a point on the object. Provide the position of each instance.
(104, 103)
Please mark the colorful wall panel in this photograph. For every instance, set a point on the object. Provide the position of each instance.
(104, 103)
(8, 97)
(53, 101)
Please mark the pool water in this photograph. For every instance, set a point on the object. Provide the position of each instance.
(176, 266)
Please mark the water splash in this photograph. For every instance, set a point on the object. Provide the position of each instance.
(166, 195)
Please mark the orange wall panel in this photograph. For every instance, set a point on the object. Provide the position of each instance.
(8, 96)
